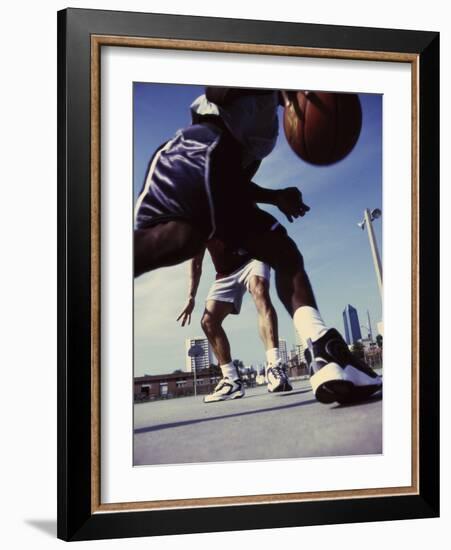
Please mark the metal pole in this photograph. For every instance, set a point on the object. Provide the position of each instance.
(195, 378)
(374, 250)
(369, 325)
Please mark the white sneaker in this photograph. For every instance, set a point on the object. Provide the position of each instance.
(336, 374)
(226, 389)
(277, 379)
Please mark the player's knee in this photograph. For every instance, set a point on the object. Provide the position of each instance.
(209, 324)
(165, 244)
(205, 323)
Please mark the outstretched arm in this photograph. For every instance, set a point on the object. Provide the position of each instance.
(195, 273)
(289, 200)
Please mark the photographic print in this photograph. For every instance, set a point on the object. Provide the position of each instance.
(248, 243)
(258, 319)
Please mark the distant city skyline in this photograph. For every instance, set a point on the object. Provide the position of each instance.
(335, 251)
(287, 352)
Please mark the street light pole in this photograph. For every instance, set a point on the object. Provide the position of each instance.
(369, 325)
(368, 328)
(368, 221)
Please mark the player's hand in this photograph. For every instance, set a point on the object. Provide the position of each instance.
(289, 201)
(185, 315)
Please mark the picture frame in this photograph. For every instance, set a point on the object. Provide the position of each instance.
(81, 35)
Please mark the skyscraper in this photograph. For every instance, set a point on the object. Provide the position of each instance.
(352, 325)
(202, 361)
(283, 350)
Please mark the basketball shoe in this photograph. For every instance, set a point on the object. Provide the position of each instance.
(336, 374)
(277, 379)
(226, 389)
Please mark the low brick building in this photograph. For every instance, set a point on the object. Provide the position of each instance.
(178, 384)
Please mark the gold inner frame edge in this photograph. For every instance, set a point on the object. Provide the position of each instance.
(97, 41)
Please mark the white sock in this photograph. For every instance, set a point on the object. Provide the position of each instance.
(229, 371)
(273, 356)
(309, 324)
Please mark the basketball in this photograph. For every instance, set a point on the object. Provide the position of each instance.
(322, 127)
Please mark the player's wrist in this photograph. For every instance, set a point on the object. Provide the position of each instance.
(278, 194)
(271, 196)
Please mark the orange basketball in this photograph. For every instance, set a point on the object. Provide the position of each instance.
(322, 127)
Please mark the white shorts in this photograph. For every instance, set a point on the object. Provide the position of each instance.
(233, 287)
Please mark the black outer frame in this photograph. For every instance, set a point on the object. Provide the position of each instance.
(75, 520)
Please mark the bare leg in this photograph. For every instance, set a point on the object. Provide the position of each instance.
(267, 323)
(281, 253)
(267, 317)
(165, 244)
(327, 365)
(214, 314)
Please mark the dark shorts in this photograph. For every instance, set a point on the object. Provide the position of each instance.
(198, 177)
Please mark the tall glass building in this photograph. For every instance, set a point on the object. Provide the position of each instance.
(352, 325)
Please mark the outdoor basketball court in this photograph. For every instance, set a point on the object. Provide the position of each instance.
(258, 426)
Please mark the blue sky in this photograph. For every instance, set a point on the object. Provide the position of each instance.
(335, 250)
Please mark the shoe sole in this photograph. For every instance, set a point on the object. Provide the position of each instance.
(333, 383)
(359, 393)
(280, 389)
(226, 398)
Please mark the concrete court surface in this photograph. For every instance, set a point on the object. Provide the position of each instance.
(257, 426)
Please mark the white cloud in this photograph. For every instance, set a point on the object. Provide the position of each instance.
(159, 297)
